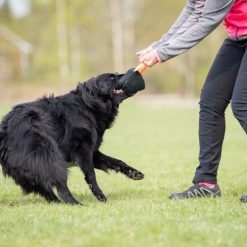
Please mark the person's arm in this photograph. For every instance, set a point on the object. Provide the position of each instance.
(185, 14)
(198, 26)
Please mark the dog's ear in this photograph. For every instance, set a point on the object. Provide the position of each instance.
(89, 93)
(97, 104)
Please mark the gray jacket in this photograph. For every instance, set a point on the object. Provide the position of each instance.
(198, 19)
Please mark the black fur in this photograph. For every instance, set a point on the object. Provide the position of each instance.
(39, 139)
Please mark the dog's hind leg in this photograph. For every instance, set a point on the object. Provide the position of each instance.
(65, 194)
(55, 169)
(37, 165)
(104, 162)
(47, 193)
(58, 180)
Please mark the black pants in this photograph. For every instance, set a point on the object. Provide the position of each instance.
(226, 81)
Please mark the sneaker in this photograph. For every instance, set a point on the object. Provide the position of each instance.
(198, 190)
(243, 198)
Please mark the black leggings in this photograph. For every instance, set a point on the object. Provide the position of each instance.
(226, 81)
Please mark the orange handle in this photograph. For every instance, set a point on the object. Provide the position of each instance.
(141, 68)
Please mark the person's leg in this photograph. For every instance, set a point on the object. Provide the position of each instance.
(215, 97)
(239, 97)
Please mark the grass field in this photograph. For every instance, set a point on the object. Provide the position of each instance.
(162, 142)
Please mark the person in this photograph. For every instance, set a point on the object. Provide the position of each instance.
(225, 82)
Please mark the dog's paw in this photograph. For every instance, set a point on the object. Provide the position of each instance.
(136, 175)
(101, 197)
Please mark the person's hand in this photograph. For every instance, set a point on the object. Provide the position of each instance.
(148, 56)
(144, 52)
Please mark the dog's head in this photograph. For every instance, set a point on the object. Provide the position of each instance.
(100, 92)
(104, 87)
(106, 83)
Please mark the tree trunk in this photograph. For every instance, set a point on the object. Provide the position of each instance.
(117, 35)
(129, 31)
(62, 39)
(74, 40)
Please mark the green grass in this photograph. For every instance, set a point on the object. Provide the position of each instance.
(161, 141)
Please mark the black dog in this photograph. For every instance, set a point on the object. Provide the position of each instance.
(38, 140)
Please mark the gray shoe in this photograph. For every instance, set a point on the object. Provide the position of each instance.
(243, 198)
(198, 190)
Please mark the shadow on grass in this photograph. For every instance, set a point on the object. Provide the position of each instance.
(116, 196)
(18, 201)
(86, 199)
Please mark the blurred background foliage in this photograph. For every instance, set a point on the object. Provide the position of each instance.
(56, 43)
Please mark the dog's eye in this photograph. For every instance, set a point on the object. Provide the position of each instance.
(112, 78)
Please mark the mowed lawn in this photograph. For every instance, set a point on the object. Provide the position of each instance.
(162, 142)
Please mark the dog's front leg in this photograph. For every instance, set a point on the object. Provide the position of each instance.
(85, 162)
(104, 162)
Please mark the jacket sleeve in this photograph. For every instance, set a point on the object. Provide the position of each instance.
(185, 14)
(206, 16)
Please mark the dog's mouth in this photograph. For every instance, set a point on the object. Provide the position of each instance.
(119, 94)
(118, 91)
(117, 88)
(129, 83)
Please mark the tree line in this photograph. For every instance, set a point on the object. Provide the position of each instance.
(75, 39)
